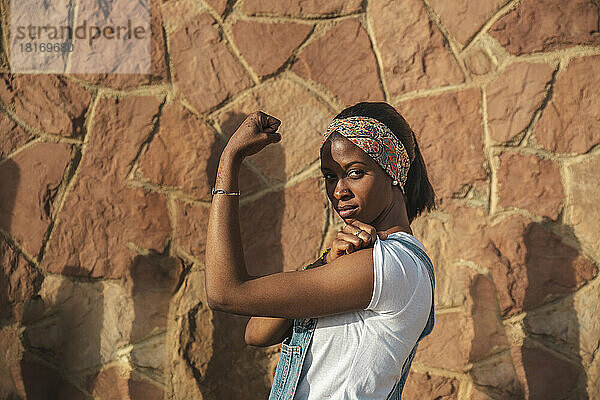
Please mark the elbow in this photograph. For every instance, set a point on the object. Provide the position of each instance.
(213, 305)
(215, 297)
(215, 302)
(248, 339)
(250, 334)
(256, 337)
(252, 341)
(221, 303)
(223, 299)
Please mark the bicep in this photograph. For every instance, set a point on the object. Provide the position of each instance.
(344, 285)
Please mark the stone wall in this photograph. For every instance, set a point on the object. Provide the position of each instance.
(105, 191)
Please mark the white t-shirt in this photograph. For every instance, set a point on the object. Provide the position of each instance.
(359, 354)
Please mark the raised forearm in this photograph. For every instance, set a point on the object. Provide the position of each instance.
(225, 269)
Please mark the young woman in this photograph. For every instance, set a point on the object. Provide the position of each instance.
(351, 326)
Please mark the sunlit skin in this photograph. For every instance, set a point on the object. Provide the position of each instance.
(353, 178)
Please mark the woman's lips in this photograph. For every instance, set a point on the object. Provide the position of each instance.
(348, 212)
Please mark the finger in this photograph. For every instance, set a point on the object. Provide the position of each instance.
(274, 137)
(367, 228)
(366, 234)
(365, 237)
(349, 237)
(382, 235)
(341, 247)
(364, 226)
(349, 247)
(273, 123)
(268, 123)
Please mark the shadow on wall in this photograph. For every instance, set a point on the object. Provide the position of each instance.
(151, 282)
(72, 326)
(232, 359)
(23, 373)
(552, 367)
(540, 274)
(9, 180)
(80, 326)
(62, 337)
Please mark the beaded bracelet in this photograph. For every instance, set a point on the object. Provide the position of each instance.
(322, 259)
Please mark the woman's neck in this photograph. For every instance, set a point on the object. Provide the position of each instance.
(394, 218)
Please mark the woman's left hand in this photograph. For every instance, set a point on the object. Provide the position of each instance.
(347, 241)
(256, 132)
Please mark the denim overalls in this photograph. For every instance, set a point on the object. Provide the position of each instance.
(294, 347)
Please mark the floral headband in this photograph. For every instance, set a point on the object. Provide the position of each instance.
(378, 141)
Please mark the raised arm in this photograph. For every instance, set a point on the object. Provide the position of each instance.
(225, 268)
(343, 285)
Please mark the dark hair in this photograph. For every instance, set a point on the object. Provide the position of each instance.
(419, 192)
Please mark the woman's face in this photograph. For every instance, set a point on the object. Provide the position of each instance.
(353, 179)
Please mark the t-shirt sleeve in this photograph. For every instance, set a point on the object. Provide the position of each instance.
(396, 277)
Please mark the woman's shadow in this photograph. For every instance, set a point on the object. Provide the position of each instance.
(551, 355)
(9, 181)
(59, 332)
(23, 373)
(548, 365)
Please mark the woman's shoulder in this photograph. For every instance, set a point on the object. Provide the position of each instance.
(401, 270)
(404, 245)
(401, 238)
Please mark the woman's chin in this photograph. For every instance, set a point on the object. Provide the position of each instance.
(351, 219)
(352, 215)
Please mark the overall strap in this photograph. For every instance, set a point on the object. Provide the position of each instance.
(415, 250)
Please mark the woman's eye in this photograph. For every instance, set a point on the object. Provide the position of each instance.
(356, 173)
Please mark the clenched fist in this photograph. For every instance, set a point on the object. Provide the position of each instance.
(256, 132)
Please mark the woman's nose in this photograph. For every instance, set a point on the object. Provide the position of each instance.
(341, 189)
